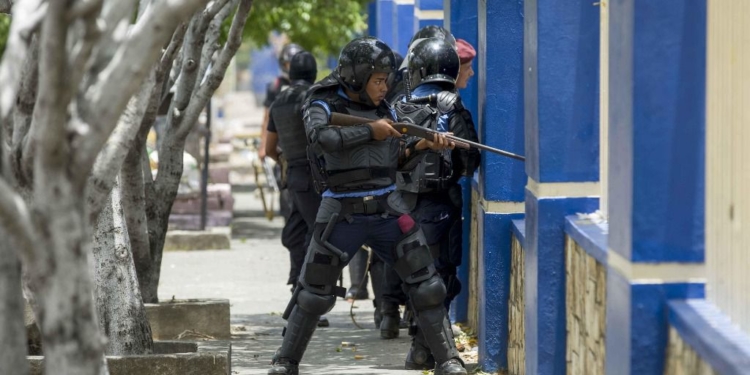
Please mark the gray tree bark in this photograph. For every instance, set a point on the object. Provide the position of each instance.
(87, 72)
(191, 96)
(13, 348)
(122, 315)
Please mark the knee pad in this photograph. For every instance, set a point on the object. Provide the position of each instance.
(428, 294)
(414, 262)
(321, 269)
(315, 304)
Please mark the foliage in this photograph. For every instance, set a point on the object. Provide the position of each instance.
(4, 29)
(322, 26)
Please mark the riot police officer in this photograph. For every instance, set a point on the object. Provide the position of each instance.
(293, 228)
(287, 132)
(356, 166)
(392, 295)
(433, 68)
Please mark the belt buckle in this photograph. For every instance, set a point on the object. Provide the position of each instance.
(368, 198)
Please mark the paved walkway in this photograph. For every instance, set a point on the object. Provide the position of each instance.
(252, 276)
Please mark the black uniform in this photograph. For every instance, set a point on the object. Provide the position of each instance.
(285, 119)
(359, 207)
(432, 70)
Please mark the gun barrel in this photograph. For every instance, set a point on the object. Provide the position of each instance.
(488, 148)
(341, 119)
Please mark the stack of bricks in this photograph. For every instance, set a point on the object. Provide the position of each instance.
(516, 340)
(682, 359)
(186, 209)
(586, 286)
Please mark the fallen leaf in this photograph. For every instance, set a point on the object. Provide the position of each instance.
(358, 356)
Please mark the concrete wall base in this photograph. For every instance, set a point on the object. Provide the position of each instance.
(169, 359)
(189, 319)
(211, 239)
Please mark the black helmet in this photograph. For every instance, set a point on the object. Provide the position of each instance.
(395, 76)
(434, 31)
(359, 60)
(433, 60)
(362, 57)
(286, 54)
(303, 66)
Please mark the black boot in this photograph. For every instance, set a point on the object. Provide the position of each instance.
(419, 356)
(376, 275)
(357, 268)
(389, 326)
(299, 330)
(438, 334)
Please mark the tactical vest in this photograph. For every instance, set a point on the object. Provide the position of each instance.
(365, 167)
(287, 115)
(428, 170)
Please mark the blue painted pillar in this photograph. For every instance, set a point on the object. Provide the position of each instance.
(656, 168)
(372, 18)
(428, 12)
(403, 26)
(385, 21)
(561, 103)
(461, 20)
(499, 79)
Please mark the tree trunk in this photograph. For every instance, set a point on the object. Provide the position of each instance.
(122, 316)
(160, 200)
(134, 205)
(13, 345)
(67, 317)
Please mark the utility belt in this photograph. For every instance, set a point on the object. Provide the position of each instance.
(369, 205)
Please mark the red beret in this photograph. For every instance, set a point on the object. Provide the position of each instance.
(466, 52)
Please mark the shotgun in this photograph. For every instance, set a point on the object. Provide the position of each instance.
(340, 119)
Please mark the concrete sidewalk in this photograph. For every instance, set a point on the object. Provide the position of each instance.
(252, 276)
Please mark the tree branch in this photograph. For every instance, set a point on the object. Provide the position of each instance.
(26, 18)
(130, 64)
(116, 16)
(191, 53)
(6, 6)
(215, 8)
(84, 9)
(80, 53)
(109, 162)
(211, 43)
(26, 95)
(48, 126)
(15, 219)
(212, 82)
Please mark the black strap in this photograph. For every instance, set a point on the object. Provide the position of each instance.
(365, 205)
(412, 262)
(321, 274)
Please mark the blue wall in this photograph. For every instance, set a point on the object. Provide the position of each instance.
(500, 98)
(461, 20)
(386, 21)
(561, 55)
(657, 116)
(403, 28)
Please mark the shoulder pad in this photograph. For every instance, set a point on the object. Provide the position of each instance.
(447, 101)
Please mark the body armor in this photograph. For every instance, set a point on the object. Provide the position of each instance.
(286, 114)
(427, 170)
(364, 164)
